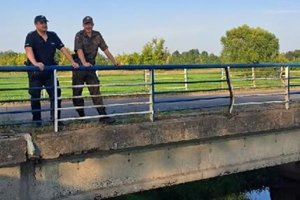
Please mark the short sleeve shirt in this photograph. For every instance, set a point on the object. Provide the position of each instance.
(89, 45)
(44, 51)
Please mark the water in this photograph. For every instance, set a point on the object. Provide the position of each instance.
(264, 184)
(259, 195)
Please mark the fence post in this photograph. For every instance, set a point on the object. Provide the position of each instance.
(44, 93)
(222, 77)
(282, 75)
(253, 77)
(151, 96)
(145, 78)
(287, 87)
(186, 79)
(55, 120)
(230, 88)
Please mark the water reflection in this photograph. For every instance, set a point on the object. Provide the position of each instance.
(266, 184)
(288, 190)
(259, 195)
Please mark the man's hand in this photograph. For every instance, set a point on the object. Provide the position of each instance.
(75, 64)
(111, 58)
(40, 65)
(87, 64)
(117, 64)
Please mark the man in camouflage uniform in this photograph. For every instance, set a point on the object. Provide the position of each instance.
(87, 42)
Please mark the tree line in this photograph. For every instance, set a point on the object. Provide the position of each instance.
(243, 44)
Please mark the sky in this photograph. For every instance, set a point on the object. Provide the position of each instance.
(127, 25)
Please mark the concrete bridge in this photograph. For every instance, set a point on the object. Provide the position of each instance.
(109, 161)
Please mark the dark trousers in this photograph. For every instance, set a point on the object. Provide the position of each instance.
(37, 80)
(90, 78)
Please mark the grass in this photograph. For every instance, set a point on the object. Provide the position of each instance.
(20, 80)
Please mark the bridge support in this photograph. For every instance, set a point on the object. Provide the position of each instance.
(104, 175)
(114, 160)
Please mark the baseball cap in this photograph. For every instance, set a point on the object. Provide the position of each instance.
(40, 18)
(87, 19)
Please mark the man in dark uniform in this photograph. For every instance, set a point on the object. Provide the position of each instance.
(40, 47)
(87, 42)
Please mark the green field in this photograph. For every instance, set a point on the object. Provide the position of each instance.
(20, 80)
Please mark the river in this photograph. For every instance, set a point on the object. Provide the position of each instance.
(264, 184)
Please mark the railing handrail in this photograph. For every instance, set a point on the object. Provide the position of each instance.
(147, 67)
(151, 84)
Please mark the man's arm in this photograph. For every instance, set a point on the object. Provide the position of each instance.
(78, 46)
(30, 56)
(69, 57)
(111, 57)
(103, 46)
(82, 58)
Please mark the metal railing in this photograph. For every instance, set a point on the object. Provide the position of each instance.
(152, 89)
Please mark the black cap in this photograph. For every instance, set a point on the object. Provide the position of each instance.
(40, 18)
(87, 19)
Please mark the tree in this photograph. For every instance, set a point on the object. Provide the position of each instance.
(281, 58)
(176, 58)
(193, 56)
(102, 60)
(188, 57)
(213, 59)
(155, 52)
(129, 59)
(12, 58)
(203, 57)
(249, 45)
(293, 56)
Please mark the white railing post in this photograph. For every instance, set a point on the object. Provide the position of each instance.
(145, 76)
(151, 96)
(253, 77)
(287, 87)
(55, 120)
(44, 93)
(186, 79)
(222, 77)
(146, 79)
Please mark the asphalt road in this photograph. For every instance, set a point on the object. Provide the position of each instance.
(193, 103)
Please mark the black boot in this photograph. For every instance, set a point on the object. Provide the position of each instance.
(37, 123)
(80, 112)
(105, 120)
